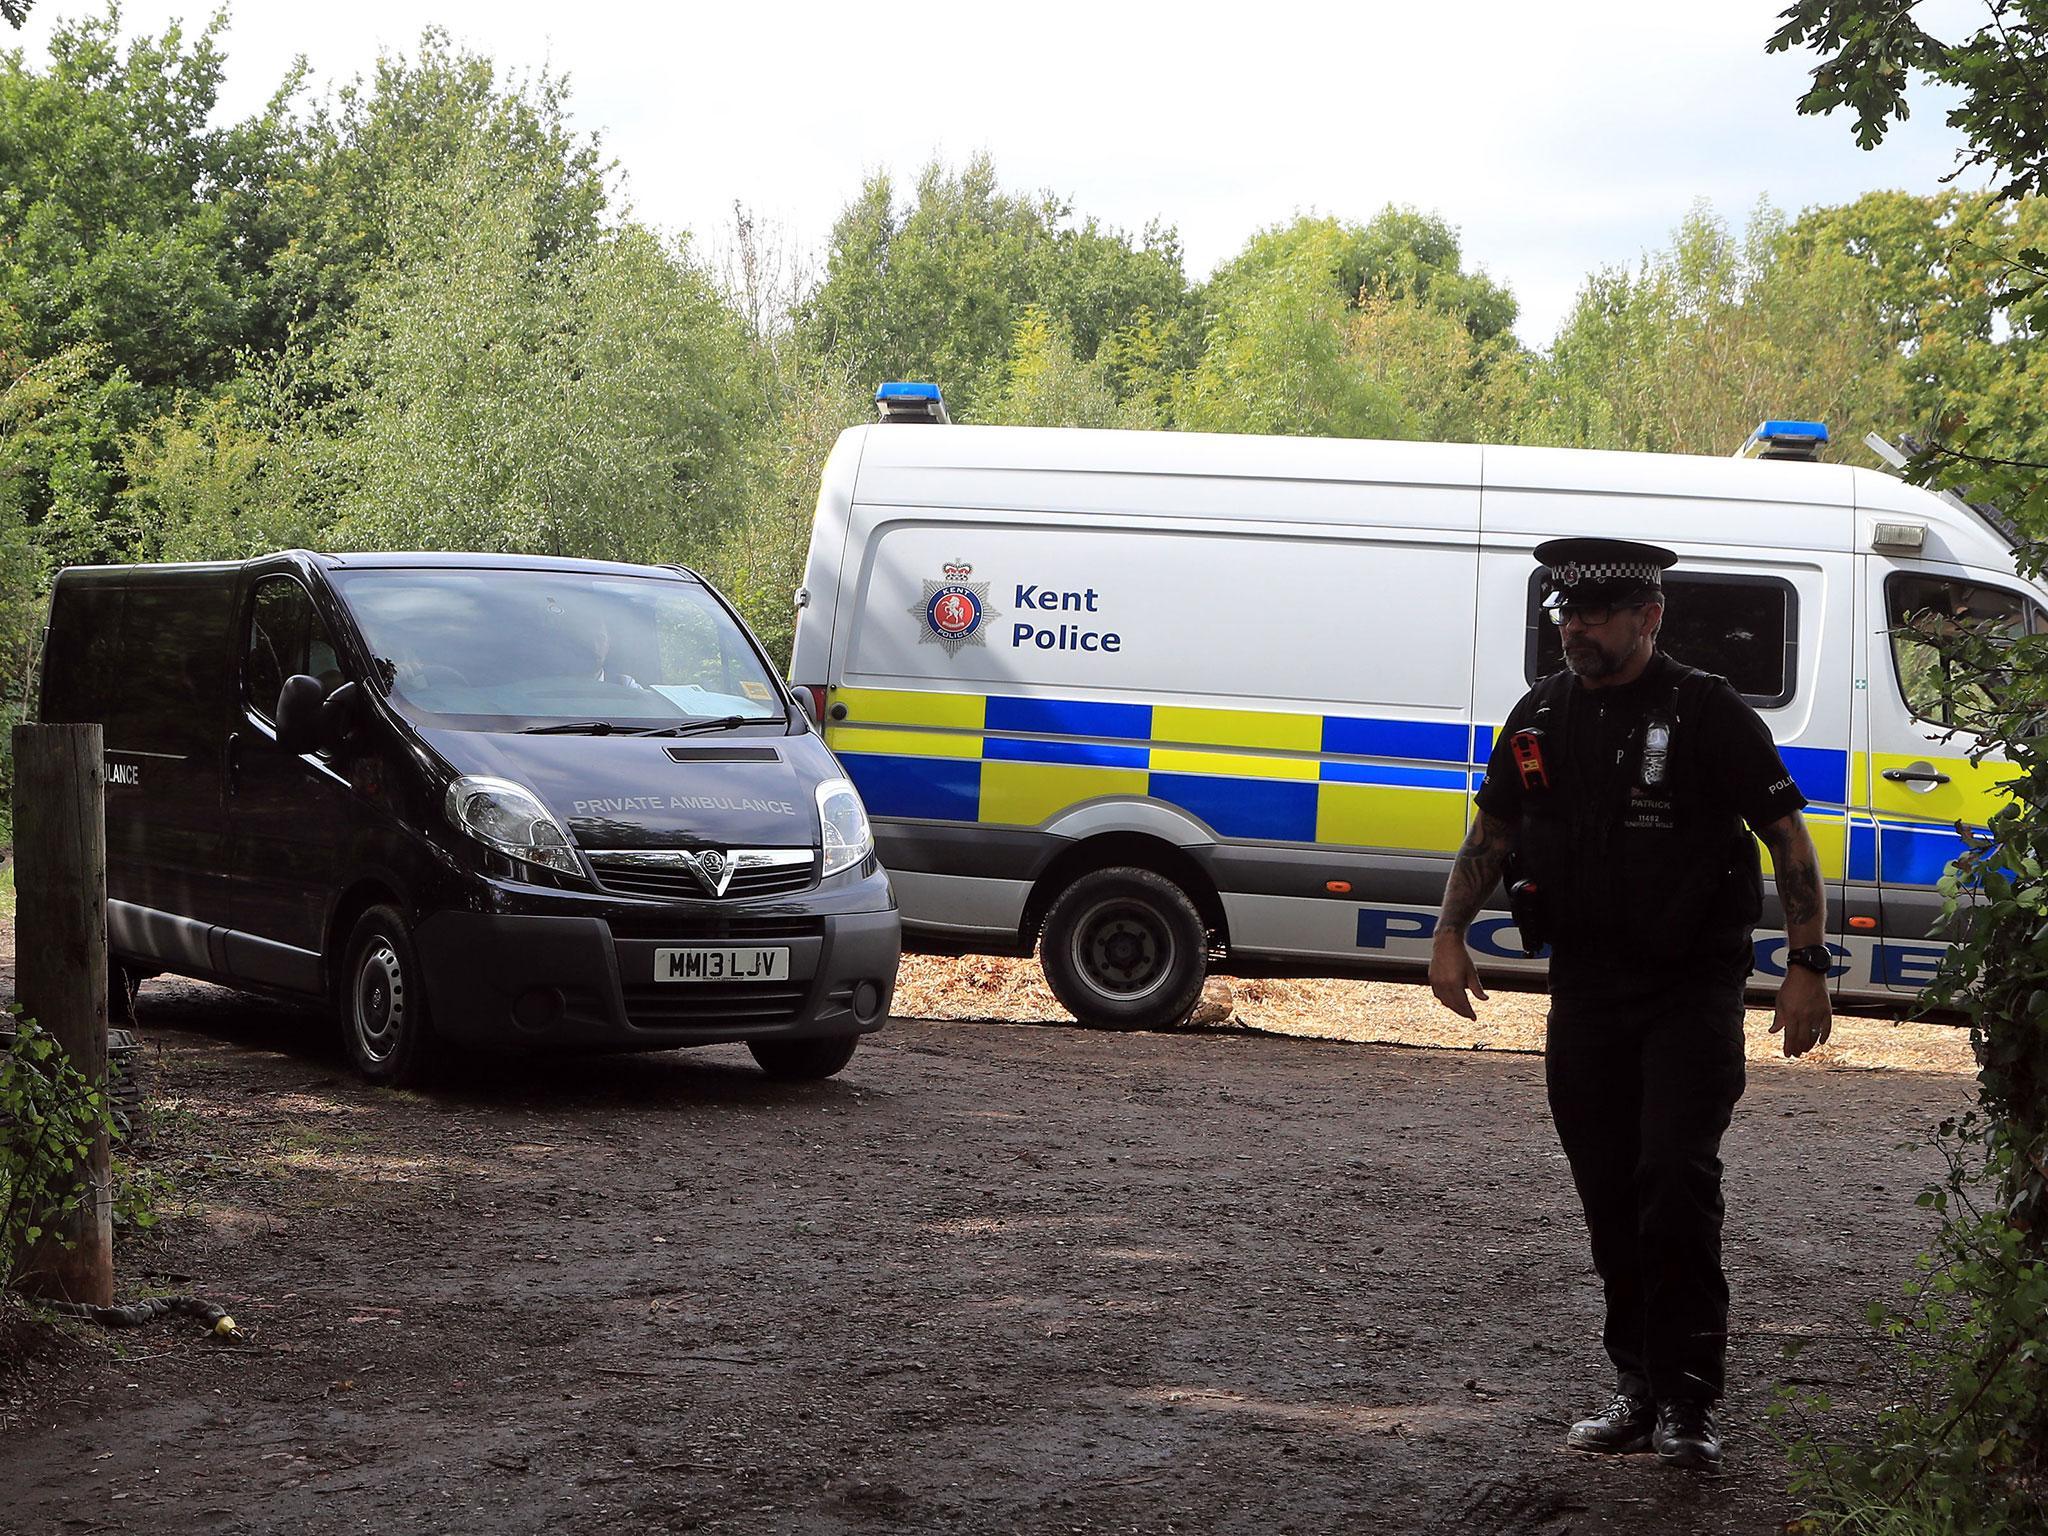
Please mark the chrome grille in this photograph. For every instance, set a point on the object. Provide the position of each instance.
(672, 872)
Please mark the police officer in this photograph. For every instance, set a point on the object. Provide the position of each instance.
(1624, 788)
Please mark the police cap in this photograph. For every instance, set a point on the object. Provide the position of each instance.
(1600, 570)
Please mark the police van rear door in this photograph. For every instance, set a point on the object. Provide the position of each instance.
(1922, 780)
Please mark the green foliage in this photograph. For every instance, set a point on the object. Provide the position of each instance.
(1963, 1445)
(1278, 355)
(1941, 277)
(492, 395)
(1401, 253)
(935, 291)
(49, 1116)
(1046, 384)
(756, 556)
(35, 415)
(414, 123)
(225, 476)
(129, 222)
(1688, 353)
(1956, 1449)
(1869, 50)
(1321, 328)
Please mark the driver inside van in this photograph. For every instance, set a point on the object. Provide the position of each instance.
(600, 641)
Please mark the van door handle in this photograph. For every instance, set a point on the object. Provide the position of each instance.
(234, 757)
(1915, 776)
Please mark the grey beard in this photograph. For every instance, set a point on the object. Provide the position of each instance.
(1593, 663)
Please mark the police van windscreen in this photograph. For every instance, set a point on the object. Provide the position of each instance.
(512, 649)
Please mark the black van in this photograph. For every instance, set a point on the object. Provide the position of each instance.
(474, 800)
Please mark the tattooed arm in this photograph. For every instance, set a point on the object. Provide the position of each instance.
(1477, 870)
(1804, 1014)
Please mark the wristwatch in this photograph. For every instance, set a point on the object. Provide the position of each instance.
(1812, 957)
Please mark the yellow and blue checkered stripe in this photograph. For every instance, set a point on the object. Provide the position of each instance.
(1262, 776)
(1254, 775)
(1273, 776)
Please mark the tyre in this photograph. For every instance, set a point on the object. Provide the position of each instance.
(1125, 948)
(803, 1061)
(384, 1003)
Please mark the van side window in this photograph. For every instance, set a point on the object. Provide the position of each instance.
(146, 661)
(1746, 628)
(286, 637)
(1919, 611)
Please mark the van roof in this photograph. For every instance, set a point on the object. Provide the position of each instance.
(460, 560)
(900, 466)
(393, 560)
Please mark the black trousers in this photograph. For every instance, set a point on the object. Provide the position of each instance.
(1643, 1078)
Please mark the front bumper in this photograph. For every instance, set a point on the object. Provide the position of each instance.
(586, 980)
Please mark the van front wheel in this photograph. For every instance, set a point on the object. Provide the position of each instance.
(1125, 948)
(384, 1003)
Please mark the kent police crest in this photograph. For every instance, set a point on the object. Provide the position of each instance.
(955, 610)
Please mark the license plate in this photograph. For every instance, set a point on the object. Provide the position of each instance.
(741, 963)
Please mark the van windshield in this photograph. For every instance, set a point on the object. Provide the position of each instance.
(512, 650)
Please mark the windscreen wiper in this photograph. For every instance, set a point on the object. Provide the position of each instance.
(692, 727)
(572, 728)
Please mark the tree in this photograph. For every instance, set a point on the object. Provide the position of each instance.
(1704, 340)
(934, 291)
(129, 222)
(1048, 385)
(1277, 357)
(1869, 50)
(1324, 328)
(1967, 1448)
(1400, 253)
(1939, 267)
(493, 395)
(407, 126)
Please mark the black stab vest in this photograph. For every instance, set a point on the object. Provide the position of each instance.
(1628, 870)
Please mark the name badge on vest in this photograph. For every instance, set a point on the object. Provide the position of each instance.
(1648, 811)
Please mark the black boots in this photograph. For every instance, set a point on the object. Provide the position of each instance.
(1686, 1436)
(1624, 1425)
(1681, 1432)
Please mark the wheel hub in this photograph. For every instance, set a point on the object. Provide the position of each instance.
(1123, 949)
(380, 1001)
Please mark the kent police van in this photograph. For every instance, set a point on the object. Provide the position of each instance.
(473, 800)
(1145, 695)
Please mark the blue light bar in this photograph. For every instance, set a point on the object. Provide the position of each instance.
(909, 401)
(1785, 440)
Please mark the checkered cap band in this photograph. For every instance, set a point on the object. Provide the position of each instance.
(1574, 572)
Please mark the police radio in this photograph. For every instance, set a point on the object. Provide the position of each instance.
(1525, 901)
(1526, 748)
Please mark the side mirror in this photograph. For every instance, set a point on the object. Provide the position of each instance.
(803, 702)
(339, 715)
(298, 713)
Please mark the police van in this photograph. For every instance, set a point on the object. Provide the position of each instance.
(473, 801)
(1141, 697)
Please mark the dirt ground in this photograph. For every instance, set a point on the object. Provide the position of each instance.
(996, 1277)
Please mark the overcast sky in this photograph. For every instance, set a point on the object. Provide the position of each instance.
(1557, 137)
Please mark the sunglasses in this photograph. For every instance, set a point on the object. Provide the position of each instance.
(1592, 615)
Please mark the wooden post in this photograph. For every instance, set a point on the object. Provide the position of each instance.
(60, 968)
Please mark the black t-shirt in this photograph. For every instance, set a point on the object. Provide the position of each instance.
(1742, 764)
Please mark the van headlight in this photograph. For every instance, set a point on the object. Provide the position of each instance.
(510, 818)
(844, 822)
